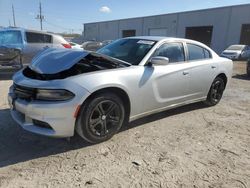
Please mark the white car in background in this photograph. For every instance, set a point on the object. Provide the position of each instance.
(237, 52)
(75, 45)
(18, 46)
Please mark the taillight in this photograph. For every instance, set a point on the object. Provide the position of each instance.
(66, 45)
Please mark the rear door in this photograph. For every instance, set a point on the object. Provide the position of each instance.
(202, 70)
(35, 42)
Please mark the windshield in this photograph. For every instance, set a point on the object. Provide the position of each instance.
(236, 47)
(10, 37)
(129, 50)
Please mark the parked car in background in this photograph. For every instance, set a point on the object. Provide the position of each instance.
(75, 45)
(248, 67)
(91, 45)
(106, 42)
(95, 93)
(10, 57)
(28, 43)
(237, 52)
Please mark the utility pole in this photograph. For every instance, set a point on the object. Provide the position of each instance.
(13, 14)
(40, 16)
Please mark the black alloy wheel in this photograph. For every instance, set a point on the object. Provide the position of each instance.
(216, 91)
(100, 118)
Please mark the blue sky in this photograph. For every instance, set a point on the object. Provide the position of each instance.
(68, 15)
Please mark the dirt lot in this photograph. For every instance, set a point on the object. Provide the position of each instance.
(192, 146)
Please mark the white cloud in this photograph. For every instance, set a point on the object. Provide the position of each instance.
(105, 9)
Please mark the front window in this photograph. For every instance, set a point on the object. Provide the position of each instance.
(10, 37)
(173, 51)
(129, 50)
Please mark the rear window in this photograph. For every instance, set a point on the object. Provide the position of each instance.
(38, 38)
(197, 53)
(10, 37)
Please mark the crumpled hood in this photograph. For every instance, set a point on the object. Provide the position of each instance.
(51, 61)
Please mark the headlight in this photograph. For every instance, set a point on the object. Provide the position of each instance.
(54, 95)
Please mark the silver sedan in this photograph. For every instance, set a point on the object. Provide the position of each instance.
(95, 93)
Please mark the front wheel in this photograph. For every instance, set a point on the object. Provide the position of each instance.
(216, 91)
(100, 118)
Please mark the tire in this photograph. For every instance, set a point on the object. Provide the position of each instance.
(216, 91)
(100, 117)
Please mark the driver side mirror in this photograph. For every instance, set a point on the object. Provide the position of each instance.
(159, 60)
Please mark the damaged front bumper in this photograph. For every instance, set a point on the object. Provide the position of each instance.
(49, 118)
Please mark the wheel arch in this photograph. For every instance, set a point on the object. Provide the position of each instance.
(223, 77)
(117, 91)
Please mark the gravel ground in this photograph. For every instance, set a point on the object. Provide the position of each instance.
(192, 146)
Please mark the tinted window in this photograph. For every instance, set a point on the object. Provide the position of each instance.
(196, 52)
(173, 51)
(10, 37)
(38, 38)
(129, 50)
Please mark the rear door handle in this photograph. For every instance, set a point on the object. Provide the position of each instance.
(213, 67)
(185, 72)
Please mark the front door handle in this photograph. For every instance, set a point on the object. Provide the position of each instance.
(185, 72)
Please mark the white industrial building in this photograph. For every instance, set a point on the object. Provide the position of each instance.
(216, 27)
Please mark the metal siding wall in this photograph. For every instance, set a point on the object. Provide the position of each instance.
(109, 30)
(91, 31)
(134, 23)
(218, 18)
(163, 21)
(239, 16)
(226, 24)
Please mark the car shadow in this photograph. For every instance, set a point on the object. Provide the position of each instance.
(242, 76)
(17, 145)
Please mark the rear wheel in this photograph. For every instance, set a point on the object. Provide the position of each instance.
(216, 91)
(100, 118)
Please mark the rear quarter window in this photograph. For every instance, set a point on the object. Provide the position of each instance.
(196, 52)
(38, 38)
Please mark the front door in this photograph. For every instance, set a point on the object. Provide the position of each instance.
(169, 83)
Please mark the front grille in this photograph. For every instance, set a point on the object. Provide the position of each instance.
(23, 92)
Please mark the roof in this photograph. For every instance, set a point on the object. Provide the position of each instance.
(29, 30)
(159, 38)
(155, 38)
